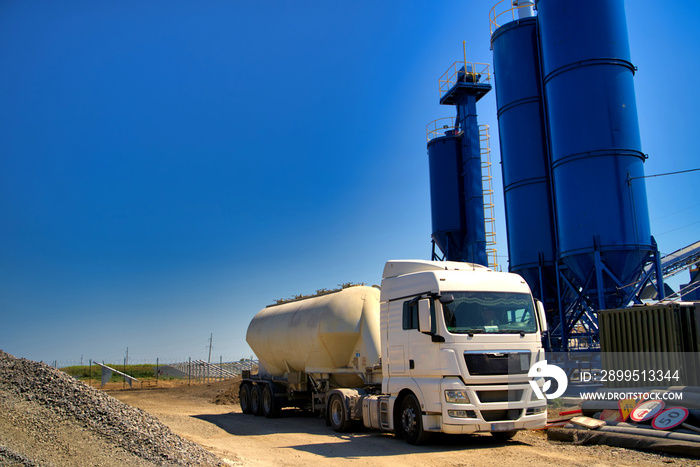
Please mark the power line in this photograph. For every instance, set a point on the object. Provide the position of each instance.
(679, 228)
(669, 173)
(675, 212)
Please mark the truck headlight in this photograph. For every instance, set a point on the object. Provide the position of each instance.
(457, 396)
(461, 413)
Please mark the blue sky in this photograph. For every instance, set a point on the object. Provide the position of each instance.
(168, 168)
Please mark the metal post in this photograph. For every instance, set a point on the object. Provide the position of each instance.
(599, 279)
(464, 49)
(211, 338)
(659, 272)
(547, 342)
(156, 368)
(562, 312)
(189, 371)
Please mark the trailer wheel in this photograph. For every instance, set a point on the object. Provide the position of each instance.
(269, 406)
(503, 435)
(244, 394)
(338, 415)
(412, 421)
(255, 399)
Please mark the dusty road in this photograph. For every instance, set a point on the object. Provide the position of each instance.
(298, 440)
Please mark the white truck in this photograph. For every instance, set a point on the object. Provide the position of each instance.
(443, 347)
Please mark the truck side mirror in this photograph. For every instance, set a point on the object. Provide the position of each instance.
(424, 321)
(447, 299)
(542, 316)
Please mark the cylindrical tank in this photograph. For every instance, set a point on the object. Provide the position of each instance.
(337, 334)
(524, 160)
(595, 147)
(447, 200)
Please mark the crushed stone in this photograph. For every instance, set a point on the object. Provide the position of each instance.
(49, 418)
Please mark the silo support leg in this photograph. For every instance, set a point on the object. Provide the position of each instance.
(659, 272)
(599, 280)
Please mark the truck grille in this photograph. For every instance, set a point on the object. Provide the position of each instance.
(515, 395)
(501, 415)
(498, 362)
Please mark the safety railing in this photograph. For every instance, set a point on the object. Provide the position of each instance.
(441, 127)
(487, 189)
(506, 11)
(466, 72)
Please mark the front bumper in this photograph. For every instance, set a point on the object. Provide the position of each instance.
(493, 407)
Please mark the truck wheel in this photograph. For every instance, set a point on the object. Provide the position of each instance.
(503, 435)
(412, 421)
(244, 394)
(269, 407)
(255, 399)
(337, 414)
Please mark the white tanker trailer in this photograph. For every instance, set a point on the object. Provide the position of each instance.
(443, 347)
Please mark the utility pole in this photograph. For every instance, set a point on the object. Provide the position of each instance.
(210, 339)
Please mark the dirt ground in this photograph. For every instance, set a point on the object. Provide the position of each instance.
(295, 439)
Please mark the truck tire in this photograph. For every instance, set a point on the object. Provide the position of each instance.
(255, 399)
(269, 406)
(338, 414)
(244, 394)
(412, 421)
(503, 435)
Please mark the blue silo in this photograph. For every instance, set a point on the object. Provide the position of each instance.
(447, 194)
(602, 219)
(524, 158)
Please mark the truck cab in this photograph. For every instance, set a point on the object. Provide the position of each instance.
(458, 340)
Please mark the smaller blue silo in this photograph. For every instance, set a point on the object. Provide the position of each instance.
(447, 194)
(456, 183)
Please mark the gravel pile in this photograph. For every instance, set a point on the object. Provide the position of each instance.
(50, 399)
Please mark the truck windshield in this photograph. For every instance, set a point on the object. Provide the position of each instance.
(490, 312)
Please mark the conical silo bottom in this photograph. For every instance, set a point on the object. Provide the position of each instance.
(626, 266)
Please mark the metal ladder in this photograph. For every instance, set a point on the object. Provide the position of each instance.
(487, 188)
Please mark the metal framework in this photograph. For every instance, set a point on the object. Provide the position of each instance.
(107, 373)
(576, 326)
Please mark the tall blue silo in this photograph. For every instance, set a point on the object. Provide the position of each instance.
(524, 160)
(601, 212)
(457, 202)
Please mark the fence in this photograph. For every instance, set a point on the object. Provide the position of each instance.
(190, 371)
(200, 371)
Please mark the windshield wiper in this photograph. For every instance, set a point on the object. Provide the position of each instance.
(471, 332)
(513, 331)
